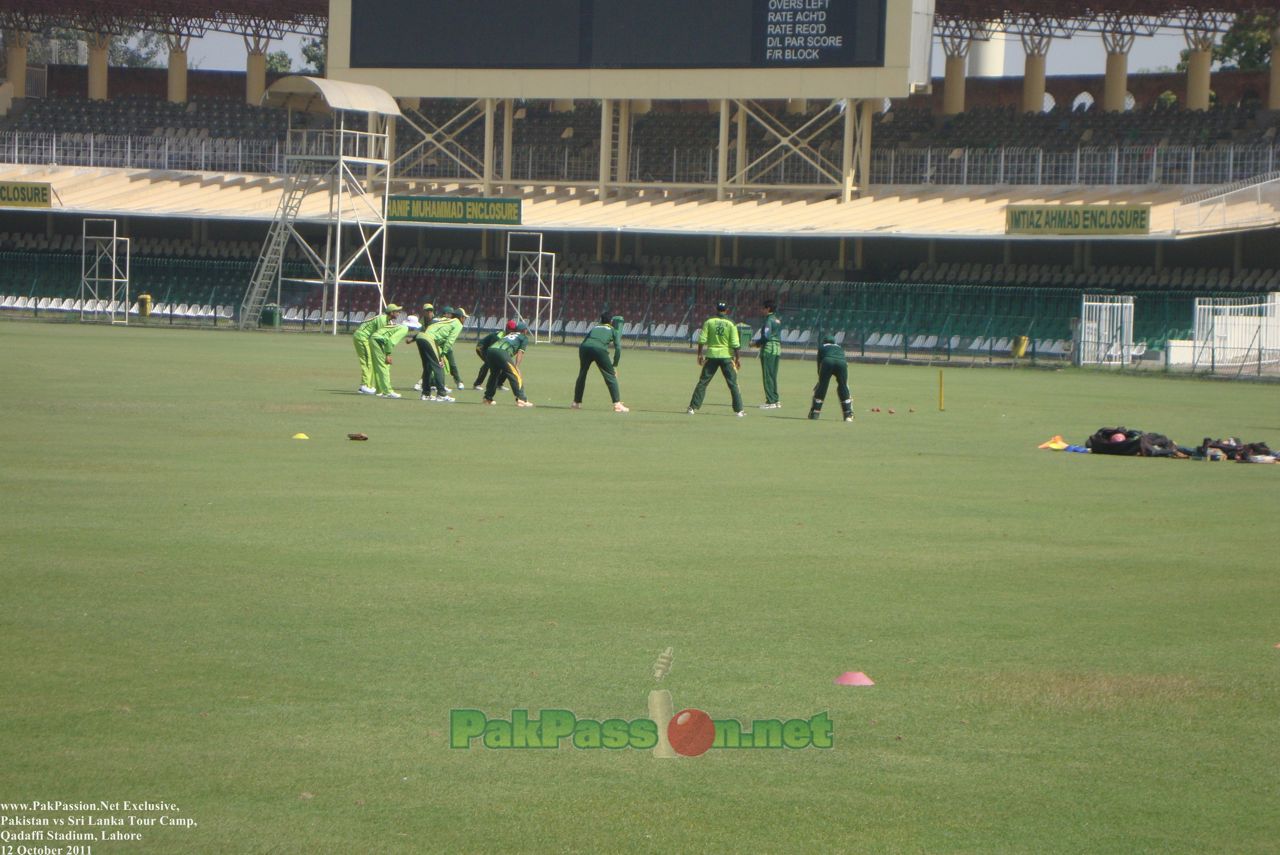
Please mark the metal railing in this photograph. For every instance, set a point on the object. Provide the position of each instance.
(1087, 165)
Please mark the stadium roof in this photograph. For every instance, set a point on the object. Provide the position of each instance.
(885, 211)
(275, 16)
(311, 16)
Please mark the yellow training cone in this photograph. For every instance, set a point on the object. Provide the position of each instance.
(301, 436)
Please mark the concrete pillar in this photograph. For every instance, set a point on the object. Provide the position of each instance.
(1117, 38)
(866, 115)
(17, 41)
(606, 146)
(98, 45)
(178, 72)
(255, 80)
(859, 254)
(741, 148)
(953, 86)
(1033, 84)
(1273, 94)
(722, 152)
(1198, 78)
(490, 109)
(1116, 88)
(508, 136)
(986, 56)
(848, 165)
(255, 73)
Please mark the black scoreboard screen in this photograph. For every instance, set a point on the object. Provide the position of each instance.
(628, 34)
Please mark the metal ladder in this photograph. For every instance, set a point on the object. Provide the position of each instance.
(266, 272)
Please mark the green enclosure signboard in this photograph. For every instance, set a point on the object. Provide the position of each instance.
(1096, 220)
(462, 210)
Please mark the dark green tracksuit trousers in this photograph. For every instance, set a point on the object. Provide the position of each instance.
(769, 370)
(452, 364)
(709, 368)
(484, 373)
(501, 367)
(432, 373)
(587, 356)
(827, 369)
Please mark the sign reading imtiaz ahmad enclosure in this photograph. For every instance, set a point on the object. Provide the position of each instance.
(1077, 220)
(25, 194)
(454, 209)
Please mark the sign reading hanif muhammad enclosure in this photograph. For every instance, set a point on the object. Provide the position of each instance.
(1097, 220)
(25, 194)
(454, 209)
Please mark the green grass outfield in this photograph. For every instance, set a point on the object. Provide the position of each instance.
(1071, 653)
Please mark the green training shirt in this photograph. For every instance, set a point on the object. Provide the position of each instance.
(388, 338)
(371, 326)
(601, 336)
(770, 334)
(720, 338)
(444, 333)
(828, 352)
(511, 343)
(486, 342)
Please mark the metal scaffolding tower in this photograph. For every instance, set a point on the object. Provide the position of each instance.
(345, 154)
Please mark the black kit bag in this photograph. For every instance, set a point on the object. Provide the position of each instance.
(1103, 441)
(1157, 445)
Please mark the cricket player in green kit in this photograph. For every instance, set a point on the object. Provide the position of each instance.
(361, 339)
(482, 346)
(503, 358)
(719, 339)
(769, 340)
(594, 350)
(435, 341)
(381, 344)
(832, 362)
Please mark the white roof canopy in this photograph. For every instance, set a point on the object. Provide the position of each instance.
(320, 95)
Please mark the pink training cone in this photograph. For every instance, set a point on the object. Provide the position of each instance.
(854, 678)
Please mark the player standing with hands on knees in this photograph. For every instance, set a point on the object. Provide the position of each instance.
(594, 350)
(832, 362)
(719, 339)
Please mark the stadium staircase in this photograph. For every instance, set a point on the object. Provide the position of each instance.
(266, 272)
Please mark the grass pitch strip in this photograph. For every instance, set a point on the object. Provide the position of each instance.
(267, 635)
